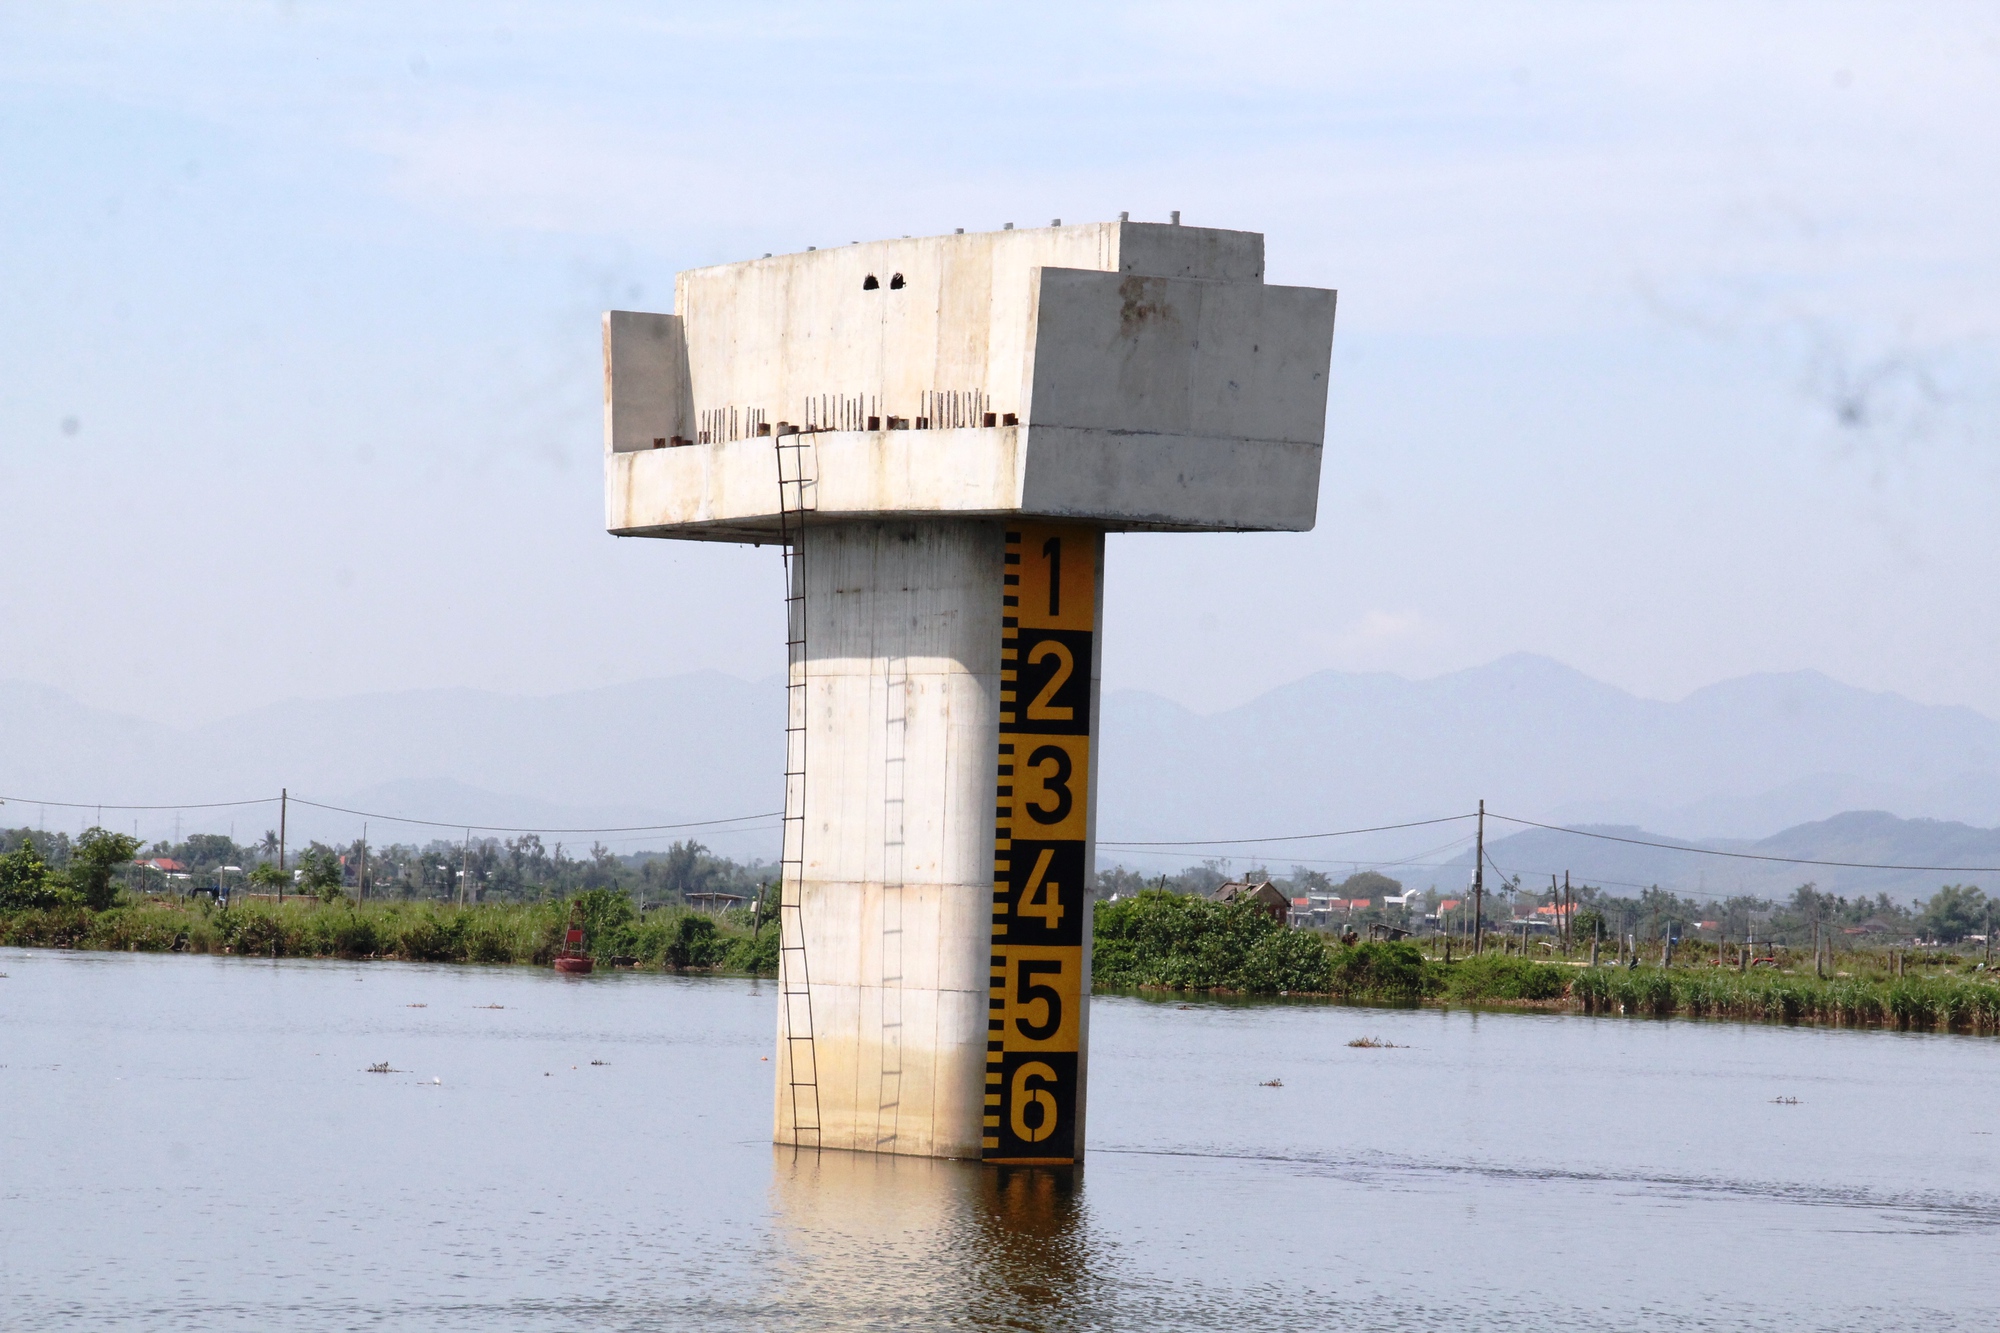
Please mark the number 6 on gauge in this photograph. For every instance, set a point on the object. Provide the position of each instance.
(1028, 1091)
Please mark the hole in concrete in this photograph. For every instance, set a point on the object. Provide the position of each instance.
(868, 284)
(896, 283)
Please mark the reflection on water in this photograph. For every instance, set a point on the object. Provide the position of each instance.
(892, 1240)
(1029, 1230)
(197, 1143)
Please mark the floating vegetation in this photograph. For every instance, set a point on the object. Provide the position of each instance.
(1374, 1044)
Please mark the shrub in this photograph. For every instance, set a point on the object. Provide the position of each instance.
(134, 928)
(1182, 942)
(258, 933)
(99, 852)
(46, 928)
(425, 937)
(338, 932)
(1379, 970)
(695, 943)
(498, 937)
(27, 883)
(1296, 961)
(758, 954)
(1498, 977)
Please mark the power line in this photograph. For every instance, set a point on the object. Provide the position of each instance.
(717, 825)
(1288, 837)
(1358, 864)
(105, 805)
(1740, 856)
(505, 828)
(394, 819)
(1556, 828)
(1504, 876)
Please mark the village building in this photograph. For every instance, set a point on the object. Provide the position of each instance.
(1267, 896)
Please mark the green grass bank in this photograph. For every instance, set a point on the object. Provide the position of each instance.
(1176, 942)
(1152, 941)
(667, 938)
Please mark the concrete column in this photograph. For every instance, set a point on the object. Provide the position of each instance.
(903, 677)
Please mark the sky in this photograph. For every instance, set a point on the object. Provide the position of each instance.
(1666, 341)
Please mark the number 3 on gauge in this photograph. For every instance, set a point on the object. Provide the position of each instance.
(1054, 784)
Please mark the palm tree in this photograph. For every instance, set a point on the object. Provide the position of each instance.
(269, 847)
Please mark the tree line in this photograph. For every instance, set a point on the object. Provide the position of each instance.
(42, 869)
(1953, 914)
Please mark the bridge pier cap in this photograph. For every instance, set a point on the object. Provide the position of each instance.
(1137, 377)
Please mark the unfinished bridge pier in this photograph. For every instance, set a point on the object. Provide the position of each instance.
(938, 432)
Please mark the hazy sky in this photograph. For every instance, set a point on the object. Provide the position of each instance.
(1666, 342)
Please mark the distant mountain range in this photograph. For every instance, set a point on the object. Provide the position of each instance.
(1738, 761)
(1760, 760)
(692, 747)
(1615, 860)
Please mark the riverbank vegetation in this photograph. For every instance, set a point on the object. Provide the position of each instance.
(89, 894)
(615, 933)
(487, 869)
(1154, 939)
(1157, 940)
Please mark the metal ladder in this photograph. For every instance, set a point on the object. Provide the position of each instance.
(895, 765)
(797, 484)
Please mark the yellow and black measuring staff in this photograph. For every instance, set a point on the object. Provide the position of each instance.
(1035, 1007)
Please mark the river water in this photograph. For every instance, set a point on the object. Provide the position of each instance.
(196, 1143)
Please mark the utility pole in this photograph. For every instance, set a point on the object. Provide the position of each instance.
(361, 876)
(284, 803)
(1479, 885)
(1569, 916)
(464, 869)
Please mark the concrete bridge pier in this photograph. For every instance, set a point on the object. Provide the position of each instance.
(913, 680)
